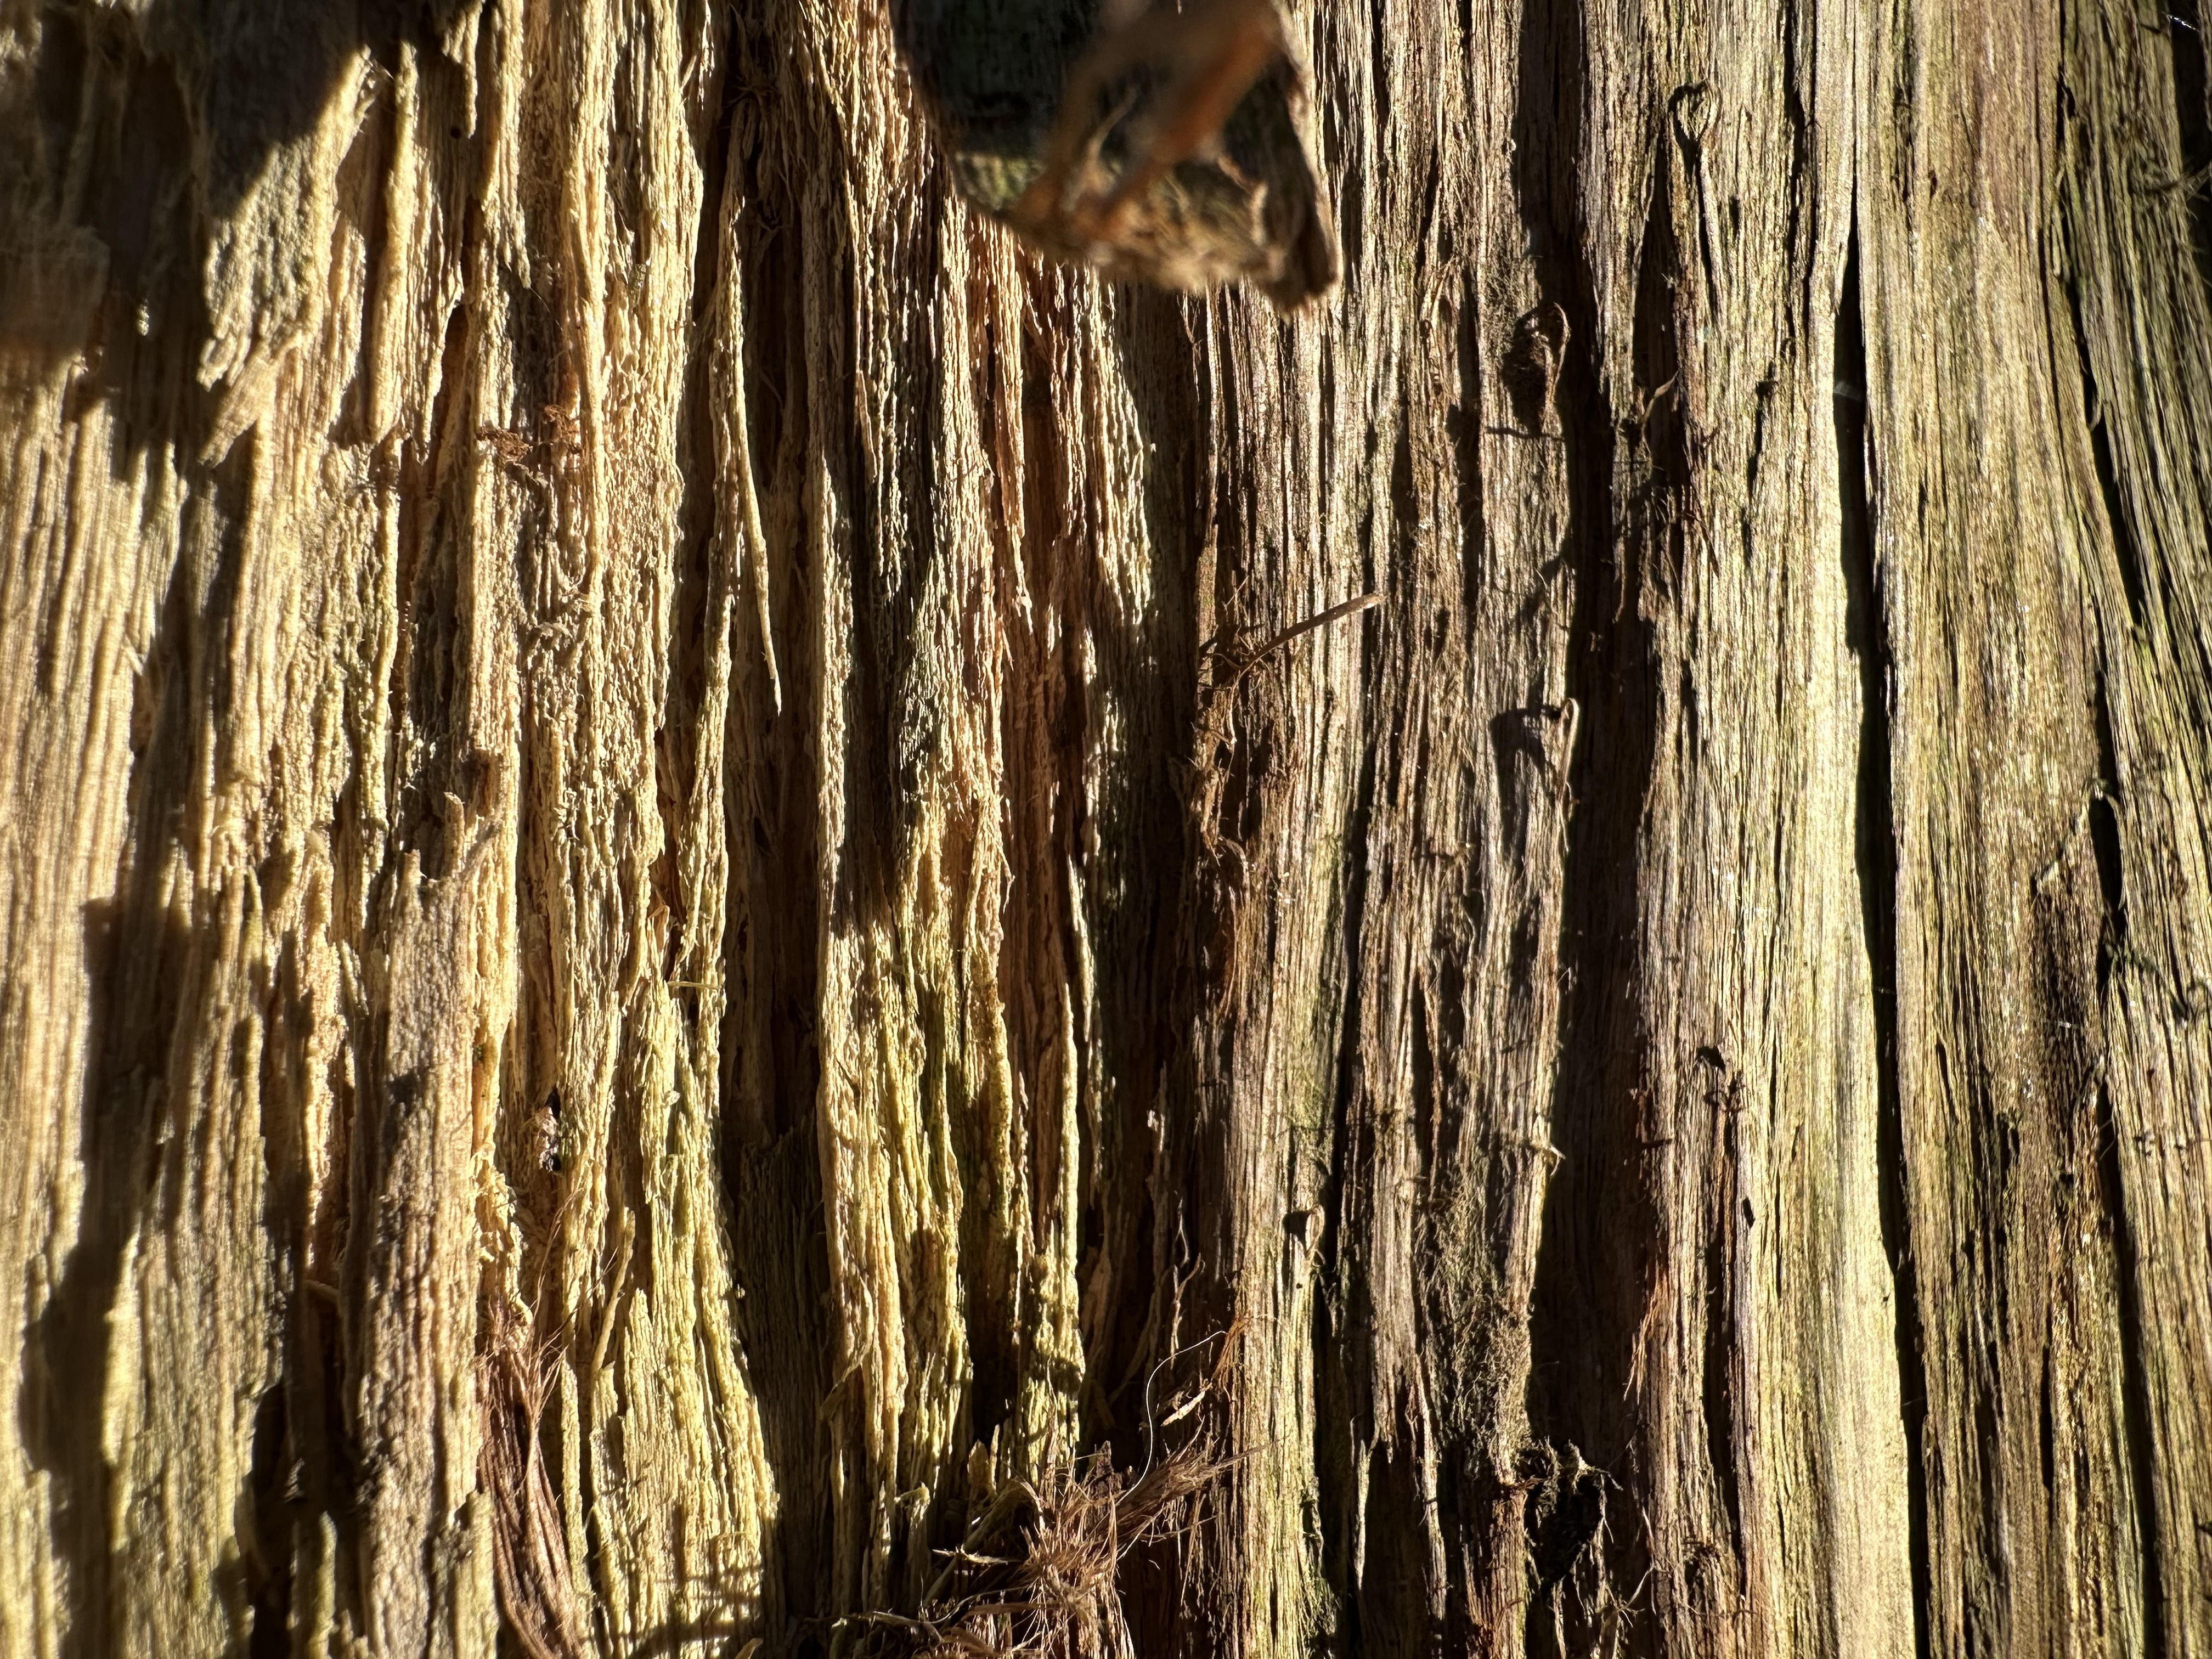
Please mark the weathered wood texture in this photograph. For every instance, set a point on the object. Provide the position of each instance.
(622, 730)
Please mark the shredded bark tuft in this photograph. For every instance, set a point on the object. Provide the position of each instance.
(1040, 1570)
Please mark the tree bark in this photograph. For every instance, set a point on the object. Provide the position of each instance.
(677, 892)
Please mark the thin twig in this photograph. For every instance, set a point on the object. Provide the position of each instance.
(1351, 607)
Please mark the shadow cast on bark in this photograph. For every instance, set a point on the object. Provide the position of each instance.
(143, 135)
(147, 958)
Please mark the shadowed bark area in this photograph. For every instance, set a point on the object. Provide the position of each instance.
(679, 896)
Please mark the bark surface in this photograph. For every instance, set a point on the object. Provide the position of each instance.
(677, 892)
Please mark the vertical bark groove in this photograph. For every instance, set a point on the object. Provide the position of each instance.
(1875, 851)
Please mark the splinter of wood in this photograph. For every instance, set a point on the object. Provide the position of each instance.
(1225, 47)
